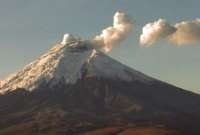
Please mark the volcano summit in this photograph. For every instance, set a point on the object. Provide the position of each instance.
(67, 63)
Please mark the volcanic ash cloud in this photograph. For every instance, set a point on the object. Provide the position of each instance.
(153, 31)
(186, 32)
(68, 38)
(114, 35)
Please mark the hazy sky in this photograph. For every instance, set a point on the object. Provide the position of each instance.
(28, 28)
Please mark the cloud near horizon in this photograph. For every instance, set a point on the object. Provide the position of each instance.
(183, 33)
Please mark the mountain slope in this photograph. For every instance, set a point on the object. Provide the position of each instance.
(75, 88)
(67, 62)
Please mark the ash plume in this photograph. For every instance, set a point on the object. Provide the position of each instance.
(67, 38)
(154, 31)
(186, 32)
(114, 35)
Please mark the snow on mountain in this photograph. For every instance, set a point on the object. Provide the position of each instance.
(66, 61)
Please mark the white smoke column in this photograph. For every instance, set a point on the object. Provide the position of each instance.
(183, 33)
(188, 32)
(114, 35)
(154, 31)
(67, 38)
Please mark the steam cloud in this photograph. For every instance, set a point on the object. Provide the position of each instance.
(186, 32)
(67, 38)
(151, 32)
(114, 35)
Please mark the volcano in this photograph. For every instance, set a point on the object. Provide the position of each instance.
(75, 88)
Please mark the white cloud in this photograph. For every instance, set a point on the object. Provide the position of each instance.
(67, 38)
(186, 32)
(154, 31)
(114, 35)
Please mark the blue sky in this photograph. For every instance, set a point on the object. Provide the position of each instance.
(28, 28)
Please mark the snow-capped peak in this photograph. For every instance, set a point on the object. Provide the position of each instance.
(65, 62)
